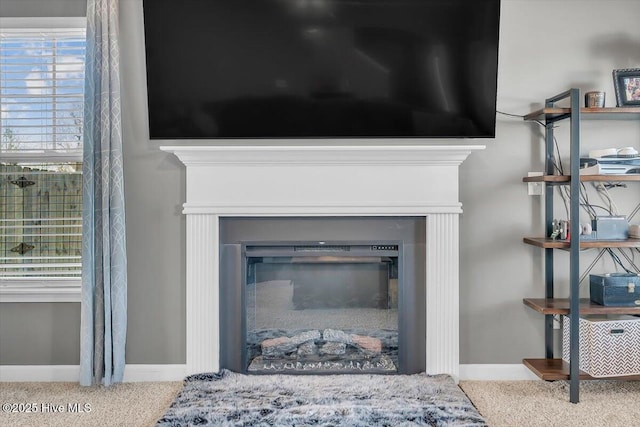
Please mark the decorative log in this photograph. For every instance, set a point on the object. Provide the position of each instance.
(308, 348)
(333, 348)
(334, 335)
(368, 345)
(277, 347)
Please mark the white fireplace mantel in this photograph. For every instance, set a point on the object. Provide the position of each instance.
(323, 180)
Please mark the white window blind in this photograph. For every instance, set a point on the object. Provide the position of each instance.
(41, 120)
(42, 86)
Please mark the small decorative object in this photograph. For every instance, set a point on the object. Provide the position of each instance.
(627, 84)
(594, 99)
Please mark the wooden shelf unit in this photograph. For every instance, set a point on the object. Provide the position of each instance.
(551, 368)
(558, 369)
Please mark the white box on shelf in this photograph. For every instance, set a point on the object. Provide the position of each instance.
(609, 345)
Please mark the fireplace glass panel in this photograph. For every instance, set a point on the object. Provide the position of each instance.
(322, 308)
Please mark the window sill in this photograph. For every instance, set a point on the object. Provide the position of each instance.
(40, 291)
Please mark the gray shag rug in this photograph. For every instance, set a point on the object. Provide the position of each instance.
(230, 399)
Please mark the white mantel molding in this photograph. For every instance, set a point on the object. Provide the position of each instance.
(323, 180)
(286, 155)
(305, 209)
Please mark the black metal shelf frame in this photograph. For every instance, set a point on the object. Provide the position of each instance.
(573, 95)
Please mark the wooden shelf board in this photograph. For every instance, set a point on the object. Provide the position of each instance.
(610, 178)
(607, 113)
(547, 178)
(558, 369)
(565, 179)
(561, 306)
(551, 369)
(547, 243)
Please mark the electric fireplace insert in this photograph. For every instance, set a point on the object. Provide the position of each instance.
(322, 306)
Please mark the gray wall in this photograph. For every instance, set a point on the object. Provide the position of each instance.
(43, 8)
(546, 47)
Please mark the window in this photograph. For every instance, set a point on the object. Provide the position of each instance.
(41, 120)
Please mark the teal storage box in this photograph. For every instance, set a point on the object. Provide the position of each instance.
(615, 289)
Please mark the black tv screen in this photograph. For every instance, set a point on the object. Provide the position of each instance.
(321, 68)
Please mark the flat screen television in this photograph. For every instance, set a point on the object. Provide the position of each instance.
(321, 68)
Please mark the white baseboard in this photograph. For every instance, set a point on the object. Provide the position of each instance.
(71, 373)
(140, 372)
(496, 372)
(40, 373)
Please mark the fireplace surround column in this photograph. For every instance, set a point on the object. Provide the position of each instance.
(442, 295)
(323, 180)
(203, 323)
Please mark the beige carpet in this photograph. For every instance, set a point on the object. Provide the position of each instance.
(125, 405)
(546, 404)
(502, 403)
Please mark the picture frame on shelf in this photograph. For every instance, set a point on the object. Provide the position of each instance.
(627, 86)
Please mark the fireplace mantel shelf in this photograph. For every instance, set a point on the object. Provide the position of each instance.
(329, 179)
(193, 155)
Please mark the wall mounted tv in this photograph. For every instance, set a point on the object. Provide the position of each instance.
(321, 68)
